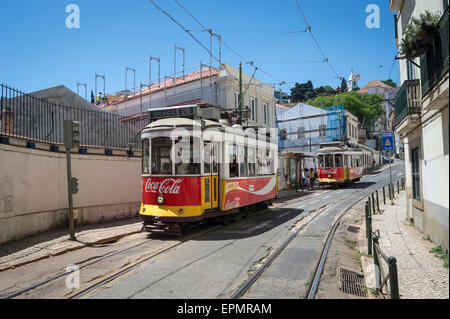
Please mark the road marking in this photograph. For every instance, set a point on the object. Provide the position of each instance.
(283, 215)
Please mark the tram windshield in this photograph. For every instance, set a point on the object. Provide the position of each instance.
(161, 162)
(338, 160)
(329, 162)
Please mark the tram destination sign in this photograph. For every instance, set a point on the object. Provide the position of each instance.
(169, 112)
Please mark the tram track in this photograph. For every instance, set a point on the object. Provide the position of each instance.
(314, 283)
(105, 279)
(126, 269)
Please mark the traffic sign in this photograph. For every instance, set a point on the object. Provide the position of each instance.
(388, 141)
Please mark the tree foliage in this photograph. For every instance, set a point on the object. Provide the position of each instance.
(306, 91)
(390, 83)
(366, 107)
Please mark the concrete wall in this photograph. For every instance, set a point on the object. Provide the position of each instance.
(33, 190)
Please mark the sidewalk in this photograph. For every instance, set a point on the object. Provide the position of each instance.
(421, 274)
(56, 242)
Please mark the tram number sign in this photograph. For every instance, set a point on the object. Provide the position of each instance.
(388, 141)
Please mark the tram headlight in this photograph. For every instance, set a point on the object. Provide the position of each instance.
(160, 199)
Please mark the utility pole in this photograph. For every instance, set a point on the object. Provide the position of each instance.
(175, 61)
(150, 78)
(71, 140)
(241, 99)
(85, 89)
(104, 83)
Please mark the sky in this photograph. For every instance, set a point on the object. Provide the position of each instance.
(38, 51)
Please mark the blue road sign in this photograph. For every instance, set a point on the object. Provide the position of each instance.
(388, 141)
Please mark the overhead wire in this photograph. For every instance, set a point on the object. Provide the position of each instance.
(225, 44)
(309, 28)
(185, 30)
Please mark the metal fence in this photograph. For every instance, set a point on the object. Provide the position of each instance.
(37, 120)
(382, 276)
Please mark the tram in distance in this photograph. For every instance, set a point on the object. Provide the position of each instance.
(178, 195)
(340, 165)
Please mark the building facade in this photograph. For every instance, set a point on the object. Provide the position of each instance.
(304, 128)
(422, 121)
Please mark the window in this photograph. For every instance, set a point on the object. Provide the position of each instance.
(301, 132)
(190, 155)
(207, 190)
(243, 159)
(321, 161)
(234, 162)
(283, 134)
(251, 162)
(322, 131)
(411, 71)
(416, 174)
(329, 161)
(253, 109)
(161, 161)
(338, 159)
(210, 158)
(146, 157)
(265, 108)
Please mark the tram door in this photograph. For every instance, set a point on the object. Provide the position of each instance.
(211, 181)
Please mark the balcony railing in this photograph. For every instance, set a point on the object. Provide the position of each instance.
(434, 64)
(408, 101)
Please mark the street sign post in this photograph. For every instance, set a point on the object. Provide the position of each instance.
(388, 146)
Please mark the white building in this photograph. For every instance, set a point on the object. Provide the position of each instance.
(422, 116)
(213, 86)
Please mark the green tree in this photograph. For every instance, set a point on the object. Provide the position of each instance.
(366, 107)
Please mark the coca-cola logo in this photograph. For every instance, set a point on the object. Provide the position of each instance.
(330, 171)
(232, 204)
(167, 186)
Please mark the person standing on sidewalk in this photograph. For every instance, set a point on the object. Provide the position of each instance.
(311, 176)
(307, 178)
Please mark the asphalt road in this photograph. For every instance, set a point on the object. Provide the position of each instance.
(216, 264)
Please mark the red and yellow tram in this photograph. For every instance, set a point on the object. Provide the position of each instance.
(340, 165)
(194, 170)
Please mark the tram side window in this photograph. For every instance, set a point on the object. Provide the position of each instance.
(338, 160)
(146, 157)
(329, 161)
(321, 161)
(161, 161)
(207, 157)
(210, 153)
(251, 162)
(243, 159)
(190, 160)
(234, 170)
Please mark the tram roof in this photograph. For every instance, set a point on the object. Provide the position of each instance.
(174, 123)
(338, 149)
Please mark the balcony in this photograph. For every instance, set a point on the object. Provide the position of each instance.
(408, 107)
(434, 67)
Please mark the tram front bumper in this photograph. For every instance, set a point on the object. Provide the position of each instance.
(177, 214)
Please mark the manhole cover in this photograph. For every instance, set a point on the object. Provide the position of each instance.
(353, 283)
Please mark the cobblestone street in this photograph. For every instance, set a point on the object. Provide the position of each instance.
(421, 274)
